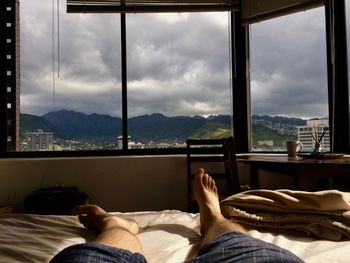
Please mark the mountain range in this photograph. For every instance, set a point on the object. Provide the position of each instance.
(71, 125)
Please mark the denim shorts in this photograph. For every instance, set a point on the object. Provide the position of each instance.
(96, 253)
(238, 247)
(228, 247)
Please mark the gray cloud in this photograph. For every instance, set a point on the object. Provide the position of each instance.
(289, 65)
(178, 64)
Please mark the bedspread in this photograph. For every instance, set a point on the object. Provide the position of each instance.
(166, 236)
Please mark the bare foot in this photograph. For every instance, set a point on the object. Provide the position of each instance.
(206, 194)
(95, 218)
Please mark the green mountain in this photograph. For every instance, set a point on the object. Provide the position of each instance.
(72, 125)
(159, 128)
(263, 133)
(156, 127)
(215, 127)
(31, 123)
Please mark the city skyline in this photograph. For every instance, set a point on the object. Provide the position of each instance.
(73, 134)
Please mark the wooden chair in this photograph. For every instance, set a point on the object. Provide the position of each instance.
(218, 154)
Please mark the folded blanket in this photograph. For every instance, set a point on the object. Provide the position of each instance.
(323, 214)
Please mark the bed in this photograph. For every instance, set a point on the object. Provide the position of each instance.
(166, 236)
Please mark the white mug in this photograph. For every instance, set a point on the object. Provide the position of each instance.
(293, 147)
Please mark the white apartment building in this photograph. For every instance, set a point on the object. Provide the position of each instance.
(131, 144)
(39, 141)
(316, 127)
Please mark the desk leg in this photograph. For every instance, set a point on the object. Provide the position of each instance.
(254, 177)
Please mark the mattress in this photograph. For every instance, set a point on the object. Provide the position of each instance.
(166, 236)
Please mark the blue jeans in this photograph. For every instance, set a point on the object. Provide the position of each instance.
(228, 247)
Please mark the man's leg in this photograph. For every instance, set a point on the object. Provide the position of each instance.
(224, 240)
(213, 223)
(113, 231)
(116, 240)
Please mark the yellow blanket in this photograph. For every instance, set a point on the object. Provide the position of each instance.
(323, 214)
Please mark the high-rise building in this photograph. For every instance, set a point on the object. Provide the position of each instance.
(314, 127)
(39, 141)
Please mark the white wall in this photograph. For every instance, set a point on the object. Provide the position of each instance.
(136, 183)
(115, 183)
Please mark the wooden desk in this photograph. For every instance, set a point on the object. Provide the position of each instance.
(303, 170)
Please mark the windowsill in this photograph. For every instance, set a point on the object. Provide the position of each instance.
(91, 157)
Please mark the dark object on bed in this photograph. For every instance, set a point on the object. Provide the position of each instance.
(54, 200)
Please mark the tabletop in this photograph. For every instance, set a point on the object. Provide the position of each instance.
(298, 160)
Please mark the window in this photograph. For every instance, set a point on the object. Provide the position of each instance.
(178, 78)
(70, 78)
(72, 83)
(288, 80)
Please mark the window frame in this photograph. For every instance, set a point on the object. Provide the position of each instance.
(338, 93)
(3, 57)
(338, 90)
(337, 72)
(256, 33)
(8, 130)
(4, 153)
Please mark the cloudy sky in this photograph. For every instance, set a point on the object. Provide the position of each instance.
(178, 64)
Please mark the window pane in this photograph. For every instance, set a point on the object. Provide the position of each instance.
(289, 81)
(178, 78)
(70, 78)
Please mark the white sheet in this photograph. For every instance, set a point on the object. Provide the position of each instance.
(166, 236)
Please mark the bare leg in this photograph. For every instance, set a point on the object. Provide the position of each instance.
(213, 223)
(113, 231)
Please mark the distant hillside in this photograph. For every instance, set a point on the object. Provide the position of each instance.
(156, 127)
(217, 126)
(277, 127)
(79, 126)
(274, 128)
(31, 123)
(262, 133)
(280, 120)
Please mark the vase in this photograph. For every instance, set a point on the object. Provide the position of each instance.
(317, 148)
